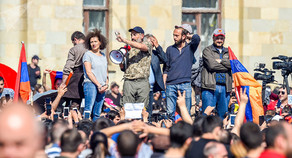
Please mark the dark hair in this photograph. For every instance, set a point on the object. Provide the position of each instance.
(250, 135)
(273, 132)
(70, 140)
(101, 38)
(101, 123)
(98, 143)
(179, 133)
(36, 88)
(210, 123)
(127, 143)
(77, 35)
(1, 78)
(197, 126)
(112, 114)
(183, 31)
(85, 126)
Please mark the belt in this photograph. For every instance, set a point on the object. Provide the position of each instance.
(136, 80)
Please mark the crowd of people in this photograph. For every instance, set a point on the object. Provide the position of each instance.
(87, 117)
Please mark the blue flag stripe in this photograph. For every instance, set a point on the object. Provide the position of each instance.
(236, 66)
(24, 72)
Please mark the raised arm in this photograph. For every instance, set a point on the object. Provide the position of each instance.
(181, 103)
(141, 46)
(241, 112)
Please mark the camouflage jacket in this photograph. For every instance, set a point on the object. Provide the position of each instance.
(139, 63)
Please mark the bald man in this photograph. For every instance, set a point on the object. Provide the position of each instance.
(20, 135)
(215, 150)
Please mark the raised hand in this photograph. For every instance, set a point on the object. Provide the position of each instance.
(181, 99)
(243, 96)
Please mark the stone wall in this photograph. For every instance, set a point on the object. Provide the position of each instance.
(258, 30)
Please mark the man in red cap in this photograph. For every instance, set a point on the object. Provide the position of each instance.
(216, 74)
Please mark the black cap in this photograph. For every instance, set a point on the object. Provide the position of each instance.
(36, 57)
(137, 29)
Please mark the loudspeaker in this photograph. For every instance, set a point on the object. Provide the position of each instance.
(117, 56)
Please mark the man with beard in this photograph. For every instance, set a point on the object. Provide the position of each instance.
(34, 71)
(136, 85)
(74, 64)
(177, 74)
(216, 75)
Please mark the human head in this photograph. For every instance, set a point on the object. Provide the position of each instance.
(180, 135)
(101, 40)
(127, 143)
(137, 34)
(250, 135)
(114, 116)
(35, 59)
(101, 123)
(197, 126)
(1, 84)
(212, 124)
(283, 95)
(99, 144)
(218, 37)
(278, 137)
(77, 37)
(85, 126)
(20, 133)
(38, 88)
(179, 35)
(57, 130)
(215, 150)
(115, 88)
(187, 27)
(71, 141)
(57, 83)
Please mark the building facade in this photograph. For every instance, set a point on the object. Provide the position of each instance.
(255, 30)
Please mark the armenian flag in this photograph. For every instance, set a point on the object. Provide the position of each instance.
(22, 84)
(242, 79)
(54, 75)
(9, 76)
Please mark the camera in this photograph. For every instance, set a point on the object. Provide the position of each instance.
(265, 74)
(286, 68)
(285, 64)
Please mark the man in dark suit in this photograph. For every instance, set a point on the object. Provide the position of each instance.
(155, 79)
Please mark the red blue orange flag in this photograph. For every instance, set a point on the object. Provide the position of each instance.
(242, 79)
(177, 118)
(54, 75)
(9, 76)
(22, 84)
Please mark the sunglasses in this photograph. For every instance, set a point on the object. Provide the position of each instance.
(281, 92)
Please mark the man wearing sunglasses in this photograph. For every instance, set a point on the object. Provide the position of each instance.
(281, 102)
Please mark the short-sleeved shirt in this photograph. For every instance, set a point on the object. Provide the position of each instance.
(32, 76)
(98, 67)
(7, 91)
(139, 63)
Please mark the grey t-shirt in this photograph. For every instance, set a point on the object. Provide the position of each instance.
(98, 67)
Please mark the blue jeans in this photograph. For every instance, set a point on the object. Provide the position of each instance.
(218, 97)
(149, 108)
(171, 97)
(93, 100)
